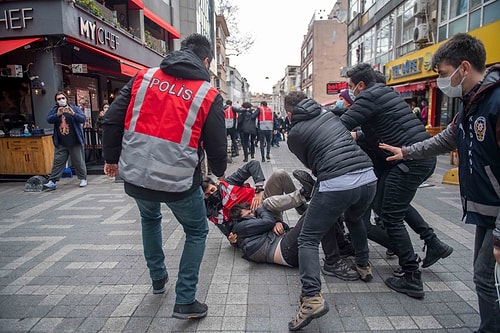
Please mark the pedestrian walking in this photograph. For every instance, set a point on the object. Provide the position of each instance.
(152, 135)
(265, 126)
(475, 130)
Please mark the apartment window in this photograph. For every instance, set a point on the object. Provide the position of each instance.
(491, 12)
(465, 15)
(309, 46)
(353, 9)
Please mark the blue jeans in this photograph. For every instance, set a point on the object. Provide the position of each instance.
(190, 212)
(484, 279)
(324, 210)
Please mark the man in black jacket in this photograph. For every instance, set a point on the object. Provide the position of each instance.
(346, 184)
(153, 135)
(385, 117)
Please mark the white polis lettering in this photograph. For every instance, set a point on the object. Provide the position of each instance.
(16, 18)
(98, 34)
(164, 86)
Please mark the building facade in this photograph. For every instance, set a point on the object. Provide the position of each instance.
(400, 37)
(323, 53)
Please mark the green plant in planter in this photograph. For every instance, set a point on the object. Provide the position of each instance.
(90, 5)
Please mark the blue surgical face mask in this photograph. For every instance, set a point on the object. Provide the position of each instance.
(339, 104)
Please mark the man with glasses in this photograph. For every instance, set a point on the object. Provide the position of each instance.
(475, 131)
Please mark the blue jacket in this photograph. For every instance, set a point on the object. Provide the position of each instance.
(74, 121)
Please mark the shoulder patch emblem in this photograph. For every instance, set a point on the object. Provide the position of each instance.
(480, 128)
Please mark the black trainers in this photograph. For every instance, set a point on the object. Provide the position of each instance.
(263, 159)
(306, 181)
(410, 284)
(194, 310)
(390, 254)
(340, 270)
(159, 285)
(268, 157)
(436, 250)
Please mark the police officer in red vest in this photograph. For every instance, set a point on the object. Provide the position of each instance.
(152, 138)
(230, 117)
(265, 126)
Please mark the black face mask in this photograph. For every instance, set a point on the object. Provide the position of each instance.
(213, 204)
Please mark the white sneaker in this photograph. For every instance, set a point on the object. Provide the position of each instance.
(50, 185)
(83, 182)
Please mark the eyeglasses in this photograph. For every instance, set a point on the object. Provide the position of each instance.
(59, 98)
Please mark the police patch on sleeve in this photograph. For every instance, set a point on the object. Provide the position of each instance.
(480, 128)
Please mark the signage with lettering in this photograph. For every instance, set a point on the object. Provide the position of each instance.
(15, 18)
(409, 67)
(98, 35)
(335, 87)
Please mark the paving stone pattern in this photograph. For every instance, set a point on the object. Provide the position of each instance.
(71, 261)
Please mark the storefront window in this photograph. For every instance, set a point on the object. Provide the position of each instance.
(475, 20)
(491, 12)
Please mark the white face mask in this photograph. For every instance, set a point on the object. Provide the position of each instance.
(444, 84)
(62, 102)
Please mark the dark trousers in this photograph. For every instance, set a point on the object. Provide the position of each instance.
(234, 136)
(247, 141)
(396, 188)
(265, 137)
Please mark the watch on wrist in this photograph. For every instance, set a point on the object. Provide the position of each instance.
(259, 189)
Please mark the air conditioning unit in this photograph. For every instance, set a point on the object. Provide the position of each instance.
(420, 33)
(343, 71)
(420, 7)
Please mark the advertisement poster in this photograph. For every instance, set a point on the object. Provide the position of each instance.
(83, 102)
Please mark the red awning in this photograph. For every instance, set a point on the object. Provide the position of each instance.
(135, 4)
(156, 19)
(127, 67)
(411, 87)
(12, 44)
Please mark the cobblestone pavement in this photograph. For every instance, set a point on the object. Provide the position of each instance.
(71, 261)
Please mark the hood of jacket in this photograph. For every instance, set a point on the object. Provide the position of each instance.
(305, 110)
(185, 64)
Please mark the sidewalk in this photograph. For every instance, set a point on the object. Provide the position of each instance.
(71, 261)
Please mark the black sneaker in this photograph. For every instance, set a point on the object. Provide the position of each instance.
(194, 310)
(306, 181)
(268, 157)
(263, 159)
(340, 270)
(398, 272)
(159, 285)
(302, 208)
(390, 254)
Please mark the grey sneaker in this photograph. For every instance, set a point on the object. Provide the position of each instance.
(309, 309)
(159, 285)
(194, 310)
(340, 270)
(50, 185)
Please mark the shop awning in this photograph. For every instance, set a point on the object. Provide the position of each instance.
(158, 20)
(135, 4)
(411, 87)
(127, 67)
(12, 44)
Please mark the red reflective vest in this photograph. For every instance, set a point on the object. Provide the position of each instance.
(232, 195)
(265, 118)
(229, 117)
(163, 126)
